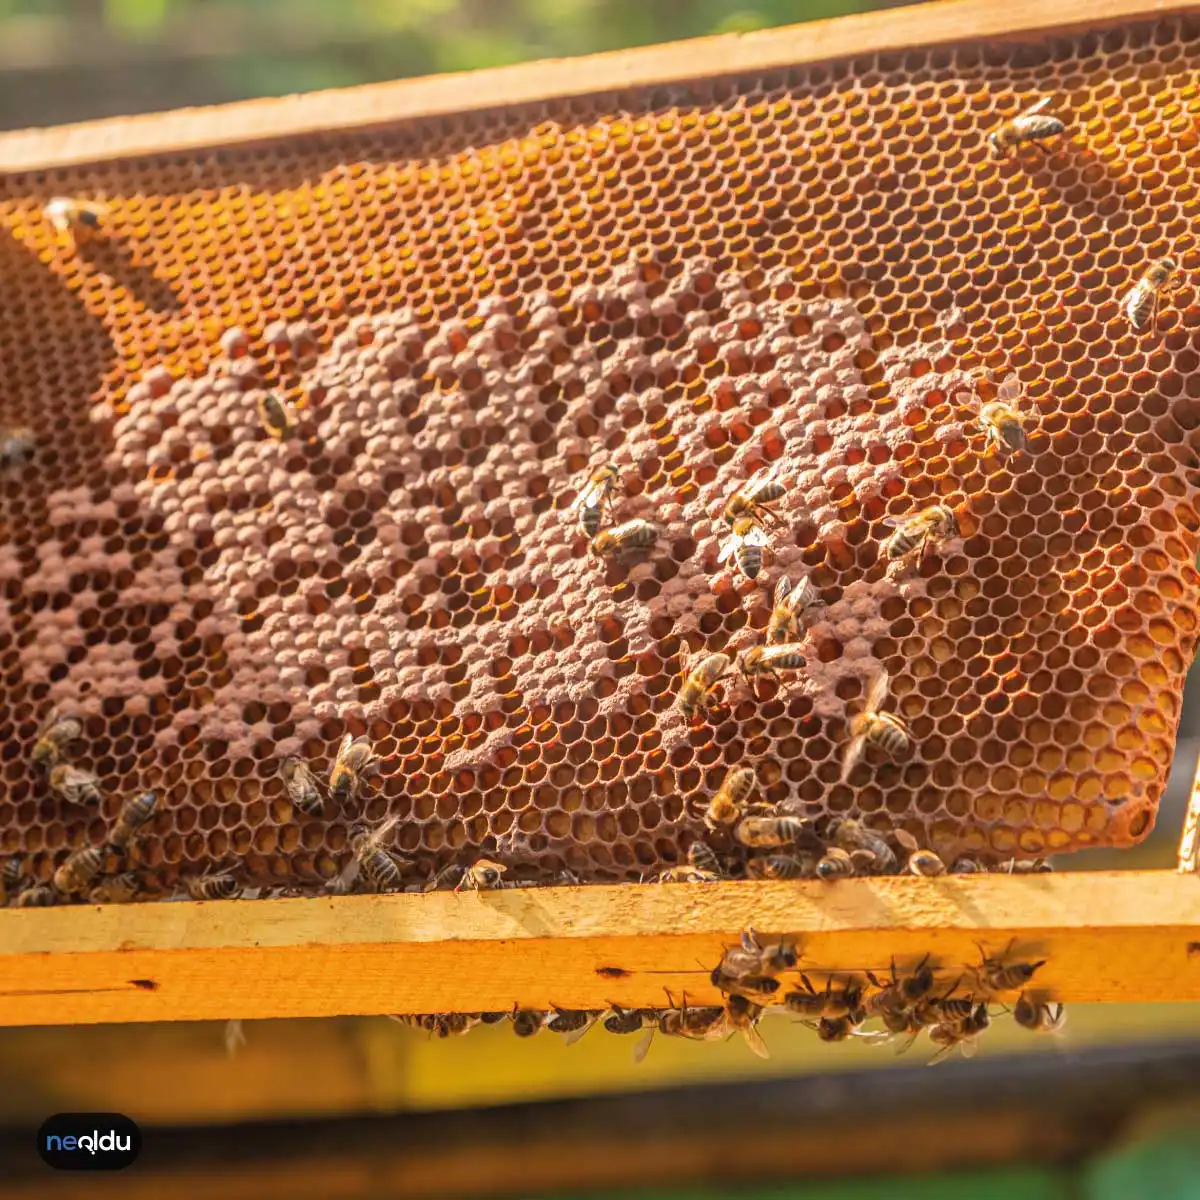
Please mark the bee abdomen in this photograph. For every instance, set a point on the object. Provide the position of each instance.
(1035, 128)
(889, 739)
(750, 560)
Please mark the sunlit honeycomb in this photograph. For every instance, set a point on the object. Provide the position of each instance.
(823, 268)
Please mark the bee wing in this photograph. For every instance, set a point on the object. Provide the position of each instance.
(756, 537)
(969, 1048)
(569, 1039)
(585, 496)
(347, 742)
(782, 589)
(879, 692)
(854, 751)
(1009, 392)
(1044, 102)
(728, 547)
(755, 1042)
(800, 593)
(643, 1045)
(895, 522)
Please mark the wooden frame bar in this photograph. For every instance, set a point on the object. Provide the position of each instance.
(1107, 936)
(374, 105)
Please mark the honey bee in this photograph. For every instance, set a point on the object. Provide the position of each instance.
(78, 220)
(874, 728)
(133, 815)
(16, 444)
(527, 1021)
(846, 1001)
(702, 857)
(572, 1023)
(937, 523)
(727, 807)
(10, 878)
(745, 544)
(688, 875)
(770, 832)
(754, 499)
(56, 734)
(1038, 1015)
(841, 1029)
(481, 877)
(38, 896)
(1029, 128)
(117, 889)
(378, 866)
(996, 975)
(699, 1024)
(926, 864)
(854, 835)
(74, 785)
(781, 866)
(1001, 419)
(752, 957)
(301, 785)
(1028, 866)
(594, 498)
(79, 871)
(770, 660)
(902, 994)
(213, 887)
(625, 1020)
(624, 540)
(697, 690)
(742, 1015)
(966, 866)
(792, 607)
(354, 759)
(1141, 303)
(963, 1035)
(835, 864)
(274, 415)
(439, 1025)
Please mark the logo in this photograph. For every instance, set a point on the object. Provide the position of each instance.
(89, 1142)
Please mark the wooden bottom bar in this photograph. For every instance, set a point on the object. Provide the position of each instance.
(1108, 936)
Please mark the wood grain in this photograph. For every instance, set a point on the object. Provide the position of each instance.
(1108, 937)
(376, 105)
(1189, 842)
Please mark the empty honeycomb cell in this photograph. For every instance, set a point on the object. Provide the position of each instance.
(689, 285)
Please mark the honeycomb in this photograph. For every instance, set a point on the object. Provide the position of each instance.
(822, 268)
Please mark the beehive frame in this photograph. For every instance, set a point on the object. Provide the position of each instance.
(600, 944)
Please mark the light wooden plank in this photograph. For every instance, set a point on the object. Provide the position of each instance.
(1189, 843)
(376, 105)
(1108, 936)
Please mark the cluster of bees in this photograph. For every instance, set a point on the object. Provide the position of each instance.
(906, 1005)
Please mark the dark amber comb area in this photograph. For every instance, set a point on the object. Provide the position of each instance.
(825, 268)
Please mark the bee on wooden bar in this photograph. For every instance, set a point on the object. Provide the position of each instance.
(769, 833)
(1142, 302)
(439, 1025)
(854, 835)
(688, 875)
(791, 610)
(482, 877)
(133, 815)
(754, 499)
(1028, 866)
(527, 1021)
(379, 867)
(10, 878)
(116, 889)
(697, 690)
(702, 857)
(841, 1029)
(706, 1024)
(871, 727)
(74, 785)
(38, 896)
(221, 886)
(770, 660)
(918, 861)
(1029, 128)
(903, 993)
(1001, 419)
(966, 866)
(573, 1023)
(845, 1001)
(781, 866)
(594, 498)
(56, 734)
(76, 220)
(626, 1020)
(745, 544)
(354, 759)
(80, 870)
(1038, 1015)
(623, 541)
(275, 415)
(752, 957)
(962, 1035)
(999, 975)
(936, 523)
(834, 864)
(727, 807)
(16, 445)
(301, 785)
(742, 1014)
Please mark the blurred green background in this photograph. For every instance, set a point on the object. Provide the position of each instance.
(73, 60)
